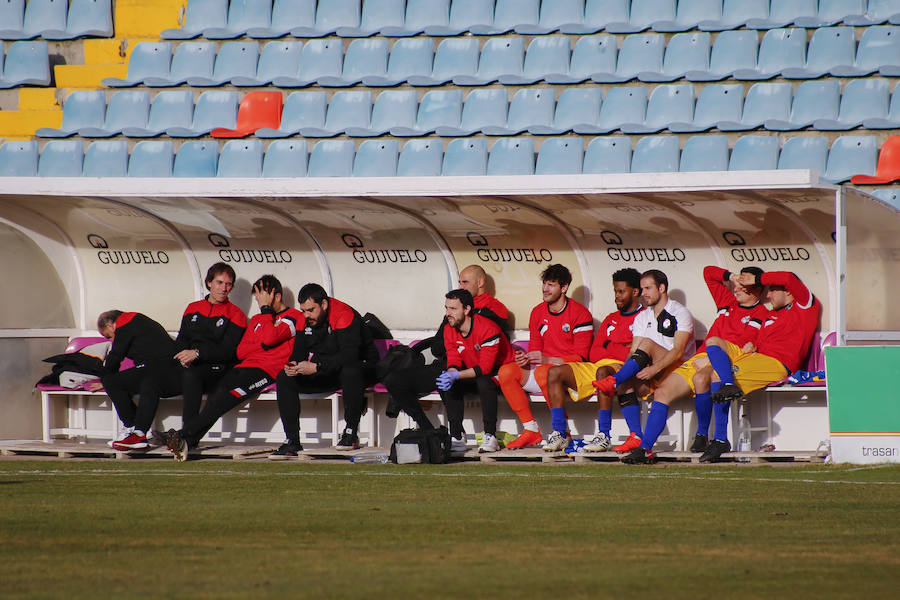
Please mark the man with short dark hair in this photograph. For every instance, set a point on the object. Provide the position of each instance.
(334, 350)
(148, 345)
(262, 353)
(476, 348)
(560, 331)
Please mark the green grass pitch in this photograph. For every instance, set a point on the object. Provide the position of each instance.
(255, 529)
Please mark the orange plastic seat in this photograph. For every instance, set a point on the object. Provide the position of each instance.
(888, 168)
(257, 110)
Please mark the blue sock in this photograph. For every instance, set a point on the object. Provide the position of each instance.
(558, 418)
(704, 408)
(721, 363)
(656, 422)
(604, 420)
(632, 414)
(722, 411)
(715, 386)
(628, 370)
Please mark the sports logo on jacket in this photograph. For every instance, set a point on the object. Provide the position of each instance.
(566, 328)
(220, 322)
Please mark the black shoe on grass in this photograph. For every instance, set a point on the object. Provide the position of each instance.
(715, 449)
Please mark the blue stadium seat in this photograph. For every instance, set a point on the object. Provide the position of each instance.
(170, 109)
(640, 52)
(643, 14)
(438, 108)
(804, 153)
(511, 156)
(576, 106)
(243, 15)
(346, 109)
(39, 16)
(409, 57)
(148, 59)
(812, 100)
(463, 14)
(889, 195)
(704, 153)
(828, 48)
(285, 158)
(286, 15)
(754, 153)
(655, 154)
(560, 156)
(780, 49)
(85, 18)
(716, 102)
(331, 158)
(784, 12)
(27, 63)
(277, 59)
(732, 50)
(764, 101)
(363, 57)
(19, 159)
(454, 57)
(12, 14)
(213, 109)
(375, 16)
(553, 15)
(376, 158)
(597, 15)
(507, 15)
(420, 158)
(529, 107)
(482, 108)
(199, 16)
(127, 108)
(621, 105)
(831, 12)
(736, 13)
(879, 50)
(61, 158)
(152, 159)
(301, 110)
(81, 109)
(499, 56)
(545, 55)
(191, 59)
(668, 104)
(465, 156)
(106, 158)
(318, 58)
(689, 14)
(234, 59)
(592, 54)
(851, 155)
(419, 15)
(862, 99)
(685, 52)
(892, 121)
(196, 159)
(330, 16)
(877, 11)
(240, 158)
(392, 109)
(607, 154)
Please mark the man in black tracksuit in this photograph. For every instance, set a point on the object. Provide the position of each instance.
(333, 350)
(145, 342)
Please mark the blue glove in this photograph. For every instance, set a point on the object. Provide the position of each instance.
(446, 379)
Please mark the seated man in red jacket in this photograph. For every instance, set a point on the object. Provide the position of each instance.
(262, 354)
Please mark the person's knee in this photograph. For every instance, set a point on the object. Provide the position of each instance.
(510, 373)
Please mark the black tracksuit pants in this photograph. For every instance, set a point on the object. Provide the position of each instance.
(453, 399)
(146, 382)
(233, 390)
(406, 386)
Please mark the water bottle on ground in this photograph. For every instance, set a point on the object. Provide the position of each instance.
(743, 444)
(369, 458)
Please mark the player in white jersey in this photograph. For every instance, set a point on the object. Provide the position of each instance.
(663, 339)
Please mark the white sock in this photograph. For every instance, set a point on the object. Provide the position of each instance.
(531, 425)
(139, 433)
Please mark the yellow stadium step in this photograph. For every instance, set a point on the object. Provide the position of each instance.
(23, 123)
(43, 99)
(112, 51)
(87, 76)
(147, 18)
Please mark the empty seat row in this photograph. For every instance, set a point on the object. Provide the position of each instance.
(55, 19)
(462, 61)
(847, 157)
(24, 63)
(221, 19)
(816, 104)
